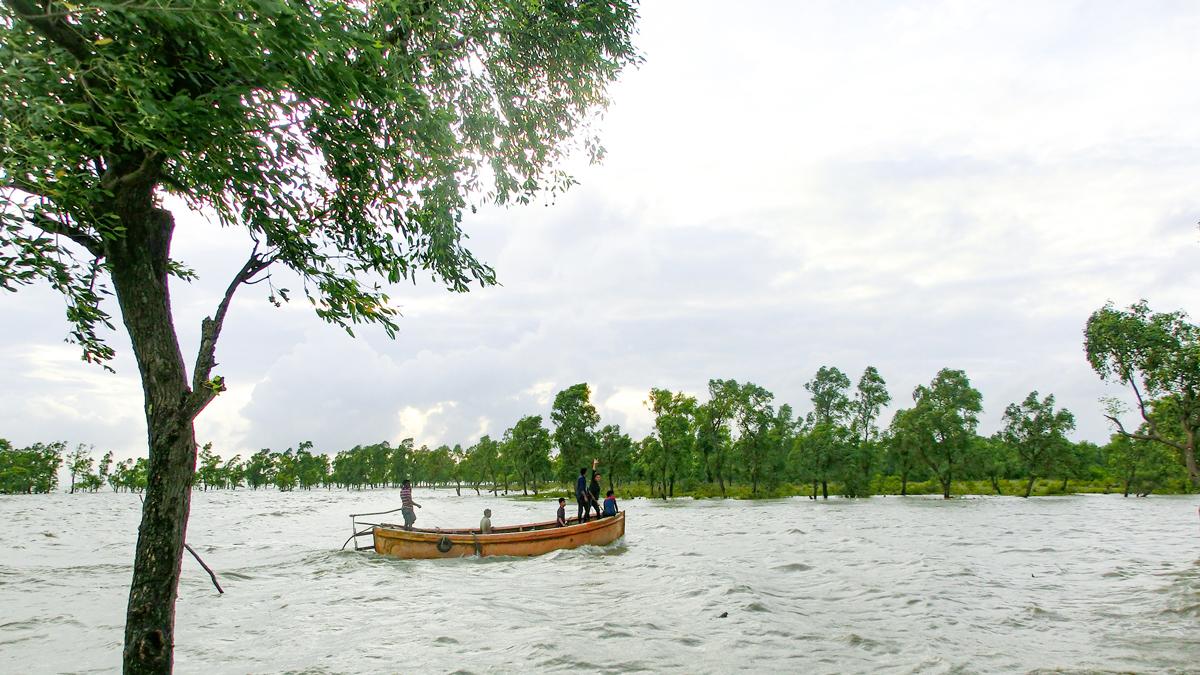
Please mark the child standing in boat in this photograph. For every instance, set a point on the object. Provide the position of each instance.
(562, 511)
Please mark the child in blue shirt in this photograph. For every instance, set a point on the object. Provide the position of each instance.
(610, 504)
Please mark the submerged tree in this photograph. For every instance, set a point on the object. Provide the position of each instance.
(1037, 433)
(945, 417)
(529, 444)
(674, 424)
(346, 137)
(575, 420)
(1156, 355)
(714, 424)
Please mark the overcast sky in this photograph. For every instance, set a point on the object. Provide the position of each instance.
(788, 185)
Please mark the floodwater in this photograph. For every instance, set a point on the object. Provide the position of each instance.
(888, 584)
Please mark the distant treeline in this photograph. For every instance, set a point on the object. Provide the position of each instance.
(736, 438)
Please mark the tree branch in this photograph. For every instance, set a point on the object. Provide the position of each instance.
(51, 226)
(53, 28)
(1152, 436)
(204, 390)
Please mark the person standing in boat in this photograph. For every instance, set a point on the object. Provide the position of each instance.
(581, 496)
(562, 511)
(407, 504)
(594, 492)
(610, 505)
(485, 524)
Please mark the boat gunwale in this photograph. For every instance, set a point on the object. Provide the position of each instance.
(508, 533)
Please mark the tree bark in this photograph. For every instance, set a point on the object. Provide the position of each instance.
(1029, 486)
(138, 264)
(904, 484)
(1189, 457)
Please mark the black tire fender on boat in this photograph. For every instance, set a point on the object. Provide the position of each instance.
(444, 544)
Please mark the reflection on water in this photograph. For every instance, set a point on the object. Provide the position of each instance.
(881, 585)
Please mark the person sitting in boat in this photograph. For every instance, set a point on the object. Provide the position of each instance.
(562, 511)
(610, 504)
(485, 525)
(594, 492)
(407, 504)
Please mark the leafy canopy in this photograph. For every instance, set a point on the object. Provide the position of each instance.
(348, 137)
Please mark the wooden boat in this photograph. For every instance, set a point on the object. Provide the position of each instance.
(518, 540)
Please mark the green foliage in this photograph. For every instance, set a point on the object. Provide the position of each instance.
(30, 470)
(1157, 356)
(1037, 434)
(346, 136)
(944, 419)
(616, 454)
(830, 403)
(714, 420)
(529, 446)
(674, 425)
(1140, 466)
(129, 475)
(575, 420)
(764, 436)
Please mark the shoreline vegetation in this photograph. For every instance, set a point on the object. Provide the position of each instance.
(738, 443)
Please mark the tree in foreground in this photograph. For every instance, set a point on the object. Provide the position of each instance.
(347, 138)
(1157, 356)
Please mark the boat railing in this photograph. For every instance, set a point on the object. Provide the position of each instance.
(356, 532)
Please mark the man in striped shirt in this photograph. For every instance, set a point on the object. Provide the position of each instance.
(407, 504)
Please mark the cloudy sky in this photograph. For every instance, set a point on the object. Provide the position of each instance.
(788, 185)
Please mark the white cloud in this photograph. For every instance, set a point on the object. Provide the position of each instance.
(908, 185)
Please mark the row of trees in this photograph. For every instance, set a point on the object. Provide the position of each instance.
(737, 436)
(35, 469)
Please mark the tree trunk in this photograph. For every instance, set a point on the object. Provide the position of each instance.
(721, 482)
(1029, 486)
(138, 264)
(946, 487)
(1064, 485)
(671, 490)
(996, 486)
(903, 483)
(1189, 458)
(824, 489)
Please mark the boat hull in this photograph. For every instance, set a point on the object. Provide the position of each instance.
(517, 540)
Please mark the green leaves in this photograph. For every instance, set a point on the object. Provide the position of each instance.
(349, 138)
(1157, 356)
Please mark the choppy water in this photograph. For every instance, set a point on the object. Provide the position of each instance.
(1087, 583)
